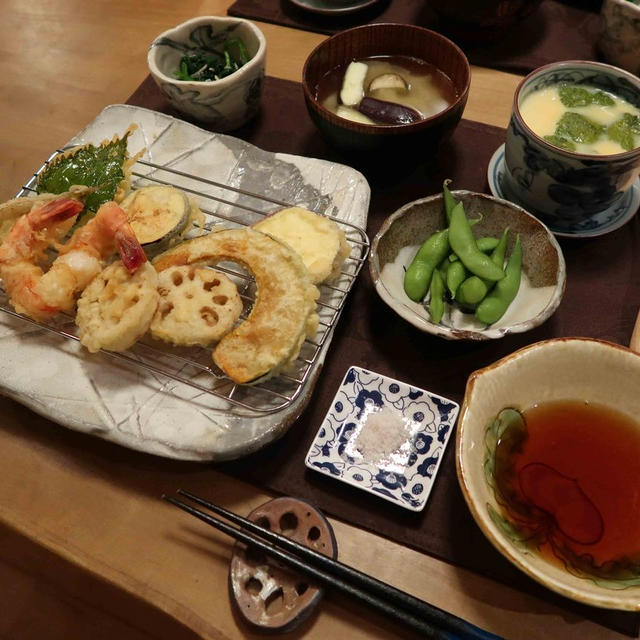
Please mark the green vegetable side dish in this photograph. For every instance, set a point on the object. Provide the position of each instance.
(474, 289)
(452, 266)
(436, 299)
(100, 166)
(494, 306)
(203, 66)
(417, 278)
(456, 275)
(449, 201)
(464, 245)
(485, 244)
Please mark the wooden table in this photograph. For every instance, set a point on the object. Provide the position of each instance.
(87, 549)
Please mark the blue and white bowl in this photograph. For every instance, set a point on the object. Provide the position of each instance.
(562, 187)
(223, 104)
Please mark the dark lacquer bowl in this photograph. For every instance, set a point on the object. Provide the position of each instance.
(417, 139)
(476, 22)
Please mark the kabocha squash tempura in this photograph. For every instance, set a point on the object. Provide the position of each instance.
(453, 266)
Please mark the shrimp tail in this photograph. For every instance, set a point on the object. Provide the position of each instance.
(130, 250)
(53, 212)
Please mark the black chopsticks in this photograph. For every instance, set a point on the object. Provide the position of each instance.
(426, 619)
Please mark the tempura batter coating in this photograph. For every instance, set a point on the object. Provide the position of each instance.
(117, 307)
(198, 306)
(284, 311)
(321, 243)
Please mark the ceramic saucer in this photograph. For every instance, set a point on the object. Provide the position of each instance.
(596, 225)
(395, 456)
(332, 7)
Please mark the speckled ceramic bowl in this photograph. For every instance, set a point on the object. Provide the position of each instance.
(223, 104)
(403, 232)
(620, 37)
(562, 369)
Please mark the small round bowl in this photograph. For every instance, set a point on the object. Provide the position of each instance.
(543, 264)
(620, 36)
(223, 104)
(418, 139)
(564, 188)
(562, 369)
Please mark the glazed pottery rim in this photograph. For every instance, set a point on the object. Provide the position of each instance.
(469, 334)
(632, 6)
(198, 21)
(386, 128)
(606, 599)
(339, 11)
(601, 157)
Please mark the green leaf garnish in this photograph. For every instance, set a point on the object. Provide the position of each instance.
(101, 167)
(601, 98)
(561, 142)
(576, 127)
(622, 131)
(572, 97)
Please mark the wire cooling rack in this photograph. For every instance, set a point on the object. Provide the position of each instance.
(231, 207)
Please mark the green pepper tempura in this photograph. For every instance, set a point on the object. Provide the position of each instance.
(201, 66)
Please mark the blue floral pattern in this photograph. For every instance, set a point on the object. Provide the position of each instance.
(405, 480)
(568, 191)
(594, 225)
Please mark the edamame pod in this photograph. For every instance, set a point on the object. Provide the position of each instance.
(449, 201)
(433, 251)
(471, 291)
(464, 245)
(493, 307)
(436, 299)
(474, 289)
(485, 244)
(456, 274)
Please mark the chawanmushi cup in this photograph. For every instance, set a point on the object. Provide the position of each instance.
(561, 187)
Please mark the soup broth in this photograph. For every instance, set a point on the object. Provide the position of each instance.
(569, 478)
(582, 119)
(428, 90)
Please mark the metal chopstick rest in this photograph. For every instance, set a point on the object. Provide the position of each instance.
(393, 602)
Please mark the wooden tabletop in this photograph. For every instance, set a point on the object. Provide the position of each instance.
(87, 549)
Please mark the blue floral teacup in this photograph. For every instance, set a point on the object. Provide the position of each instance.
(565, 188)
(226, 103)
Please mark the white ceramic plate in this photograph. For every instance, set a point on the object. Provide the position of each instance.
(399, 463)
(141, 410)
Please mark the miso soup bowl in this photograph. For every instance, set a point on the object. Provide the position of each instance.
(223, 104)
(579, 369)
(568, 190)
(406, 141)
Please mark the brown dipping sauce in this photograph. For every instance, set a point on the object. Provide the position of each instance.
(571, 481)
(430, 90)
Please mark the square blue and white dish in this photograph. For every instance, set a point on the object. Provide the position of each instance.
(385, 437)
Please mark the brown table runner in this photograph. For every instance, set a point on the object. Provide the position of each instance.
(603, 292)
(555, 31)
